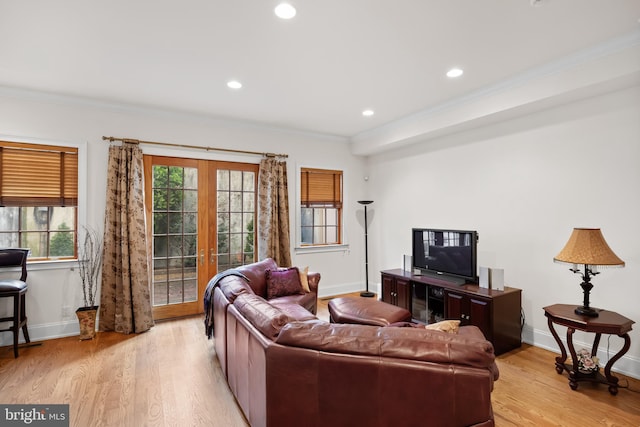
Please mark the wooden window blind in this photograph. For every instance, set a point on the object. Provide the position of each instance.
(38, 175)
(321, 187)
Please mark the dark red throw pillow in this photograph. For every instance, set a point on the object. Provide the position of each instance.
(283, 282)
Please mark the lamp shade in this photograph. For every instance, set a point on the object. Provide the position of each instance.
(587, 246)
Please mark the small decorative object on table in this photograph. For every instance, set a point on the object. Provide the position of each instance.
(587, 364)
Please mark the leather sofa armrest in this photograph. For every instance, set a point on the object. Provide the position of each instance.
(314, 281)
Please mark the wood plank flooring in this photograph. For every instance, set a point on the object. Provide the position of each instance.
(170, 376)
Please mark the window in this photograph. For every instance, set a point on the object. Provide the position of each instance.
(321, 207)
(39, 199)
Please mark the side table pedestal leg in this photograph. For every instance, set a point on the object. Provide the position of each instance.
(573, 373)
(563, 353)
(612, 379)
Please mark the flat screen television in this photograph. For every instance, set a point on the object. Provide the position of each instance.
(451, 253)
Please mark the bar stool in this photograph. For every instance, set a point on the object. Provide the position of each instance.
(16, 289)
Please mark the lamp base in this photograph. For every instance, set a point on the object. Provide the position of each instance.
(584, 311)
(367, 294)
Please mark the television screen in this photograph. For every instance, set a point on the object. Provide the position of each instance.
(448, 252)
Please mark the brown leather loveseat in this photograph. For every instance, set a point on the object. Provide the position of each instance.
(287, 368)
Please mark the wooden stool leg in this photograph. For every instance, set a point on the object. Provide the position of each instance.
(23, 319)
(16, 323)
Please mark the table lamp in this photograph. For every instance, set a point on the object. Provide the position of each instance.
(587, 246)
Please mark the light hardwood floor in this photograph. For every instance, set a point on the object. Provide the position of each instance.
(170, 376)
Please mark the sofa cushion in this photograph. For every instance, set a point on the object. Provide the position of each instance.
(307, 300)
(283, 282)
(469, 349)
(268, 319)
(292, 309)
(256, 274)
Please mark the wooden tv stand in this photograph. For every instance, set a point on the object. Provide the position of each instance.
(430, 299)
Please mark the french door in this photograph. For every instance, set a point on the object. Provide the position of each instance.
(201, 218)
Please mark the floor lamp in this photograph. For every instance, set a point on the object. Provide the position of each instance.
(366, 293)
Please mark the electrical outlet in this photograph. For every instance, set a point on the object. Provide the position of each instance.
(66, 312)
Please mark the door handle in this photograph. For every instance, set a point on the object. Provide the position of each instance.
(202, 257)
(212, 256)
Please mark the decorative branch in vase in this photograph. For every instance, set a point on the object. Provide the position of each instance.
(90, 268)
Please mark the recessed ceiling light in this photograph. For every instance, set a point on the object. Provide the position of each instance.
(367, 113)
(234, 84)
(454, 72)
(285, 11)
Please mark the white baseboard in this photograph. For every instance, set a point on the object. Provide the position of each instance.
(627, 365)
(45, 331)
(346, 288)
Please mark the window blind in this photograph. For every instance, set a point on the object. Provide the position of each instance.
(321, 187)
(38, 175)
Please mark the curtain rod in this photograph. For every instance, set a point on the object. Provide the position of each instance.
(168, 144)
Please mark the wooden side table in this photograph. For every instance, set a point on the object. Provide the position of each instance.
(607, 322)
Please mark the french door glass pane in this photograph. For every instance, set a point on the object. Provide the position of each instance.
(236, 207)
(175, 241)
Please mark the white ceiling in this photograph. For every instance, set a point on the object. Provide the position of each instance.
(315, 73)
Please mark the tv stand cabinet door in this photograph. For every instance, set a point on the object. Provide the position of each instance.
(470, 311)
(403, 292)
(388, 289)
(457, 308)
(396, 291)
(480, 313)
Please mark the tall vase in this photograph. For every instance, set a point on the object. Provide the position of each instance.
(87, 320)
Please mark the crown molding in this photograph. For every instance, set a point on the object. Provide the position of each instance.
(127, 108)
(607, 66)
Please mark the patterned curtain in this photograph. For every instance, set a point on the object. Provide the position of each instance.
(125, 305)
(273, 212)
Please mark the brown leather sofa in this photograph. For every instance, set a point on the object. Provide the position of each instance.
(287, 368)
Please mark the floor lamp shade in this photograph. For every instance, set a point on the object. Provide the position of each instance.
(366, 293)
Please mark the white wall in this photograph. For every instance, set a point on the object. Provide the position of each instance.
(54, 289)
(524, 184)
